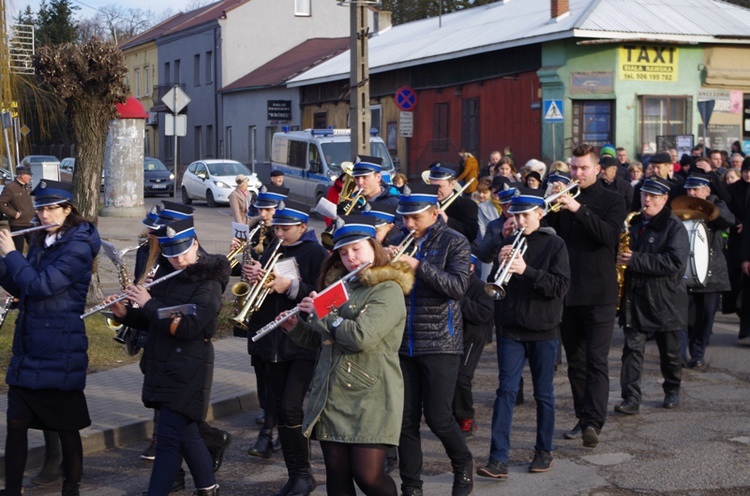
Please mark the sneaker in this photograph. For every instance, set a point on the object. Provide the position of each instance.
(671, 399)
(541, 463)
(628, 407)
(150, 452)
(468, 426)
(590, 437)
(494, 469)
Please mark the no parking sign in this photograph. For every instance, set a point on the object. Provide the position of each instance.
(406, 98)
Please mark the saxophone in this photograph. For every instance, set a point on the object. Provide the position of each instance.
(624, 247)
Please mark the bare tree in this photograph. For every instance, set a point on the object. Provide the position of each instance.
(88, 78)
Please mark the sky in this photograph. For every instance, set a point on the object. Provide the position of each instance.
(88, 7)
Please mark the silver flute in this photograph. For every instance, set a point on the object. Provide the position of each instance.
(32, 229)
(124, 295)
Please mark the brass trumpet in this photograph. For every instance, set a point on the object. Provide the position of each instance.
(254, 297)
(407, 246)
(496, 288)
(551, 200)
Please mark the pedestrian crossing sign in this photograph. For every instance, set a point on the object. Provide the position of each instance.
(553, 110)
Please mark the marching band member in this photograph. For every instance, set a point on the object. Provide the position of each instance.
(368, 177)
(705, 299)
(178, 356)
(269, 198)
(47, 371)
(497, 230)
(590, 226)
(433, 342)
(463, 214)
(530, 317)
(385, 222)
(358, 345)
(289, 367)
(654, 295)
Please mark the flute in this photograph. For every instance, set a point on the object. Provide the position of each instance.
(32, 229)
(102, 306)
(294, 311)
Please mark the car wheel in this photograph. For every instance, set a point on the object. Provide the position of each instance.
(210, 199)
(185, 198)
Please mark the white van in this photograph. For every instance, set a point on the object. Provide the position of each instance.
(311, 160)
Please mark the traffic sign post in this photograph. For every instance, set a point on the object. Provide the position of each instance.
(552, 110)
(176, 100)
(406, 99)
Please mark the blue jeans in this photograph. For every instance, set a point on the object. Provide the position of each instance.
(511, 356)
(178, 436)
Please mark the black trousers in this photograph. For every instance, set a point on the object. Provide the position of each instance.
(586, 333)
(745, 310)
(289, 384)
(463, 400)
(429, 381)
(699, 334)
(632, 362)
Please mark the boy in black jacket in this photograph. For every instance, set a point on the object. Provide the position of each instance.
(530, 316)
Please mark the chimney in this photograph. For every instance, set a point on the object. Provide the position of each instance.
(559, 8)
(382, 20)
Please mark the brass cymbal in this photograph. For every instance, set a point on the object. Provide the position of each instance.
(690, 208)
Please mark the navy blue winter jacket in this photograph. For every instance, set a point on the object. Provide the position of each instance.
(49, 343)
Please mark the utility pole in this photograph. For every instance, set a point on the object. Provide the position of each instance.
(359, 80)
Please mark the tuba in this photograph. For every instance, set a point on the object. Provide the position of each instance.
(623, 246)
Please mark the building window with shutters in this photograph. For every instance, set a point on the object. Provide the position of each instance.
(662, 116)
(440, 137)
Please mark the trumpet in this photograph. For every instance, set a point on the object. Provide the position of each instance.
(294, 311)
(253, 298)
(496, 288)
(348, 203)
(406, 247)
(551, 200)
(448, 201)
(122, 296)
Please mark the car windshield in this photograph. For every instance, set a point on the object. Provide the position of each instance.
(154, 165)
(341, 152)
(42, 158)
(227, 169)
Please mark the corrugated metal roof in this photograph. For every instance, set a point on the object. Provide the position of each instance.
(521, 22)
(289, 64)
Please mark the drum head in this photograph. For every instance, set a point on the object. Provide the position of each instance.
(696, 272)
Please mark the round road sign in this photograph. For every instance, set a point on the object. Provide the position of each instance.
(406, 99)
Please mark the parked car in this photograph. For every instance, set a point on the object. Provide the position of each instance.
(213, 181)
(157, 179)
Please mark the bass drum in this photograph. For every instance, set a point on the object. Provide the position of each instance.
(696, 272)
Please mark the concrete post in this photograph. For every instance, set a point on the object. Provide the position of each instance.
(359, 81)
(123, 162)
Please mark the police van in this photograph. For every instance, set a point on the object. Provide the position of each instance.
(311, 160)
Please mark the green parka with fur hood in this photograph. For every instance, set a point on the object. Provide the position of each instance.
(358, 391)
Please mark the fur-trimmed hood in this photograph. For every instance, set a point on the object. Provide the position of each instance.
(210, 267)
(399, 272)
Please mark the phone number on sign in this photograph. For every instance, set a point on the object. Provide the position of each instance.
(640, 76)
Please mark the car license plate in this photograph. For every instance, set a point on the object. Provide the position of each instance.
(159, 186)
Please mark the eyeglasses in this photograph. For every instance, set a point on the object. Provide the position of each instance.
(47, 208)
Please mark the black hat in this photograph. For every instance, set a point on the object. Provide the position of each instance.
(535, 175)
(152, 218)
(173, 211)
(270, 196)
(499, 182)
(745, 164)
(696, 180)
(655, 185)
(291, 214)
(49, 192)
(355, 228)
(607, 161)
(417, 198)
(22, 169)
(526, 199)
(440, 171)
(661, 158)
(275, 173)
(366, 165)
(176, 237)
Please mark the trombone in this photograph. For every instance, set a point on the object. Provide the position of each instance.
(496, 288)
(407, 246)
(253, 298)
(551, 200)
(447, 202)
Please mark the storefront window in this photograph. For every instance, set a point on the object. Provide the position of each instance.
(663, 115)
(592, 122)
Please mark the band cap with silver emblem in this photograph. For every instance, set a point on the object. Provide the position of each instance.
(417, 198)
(49, 192)
(176, 238)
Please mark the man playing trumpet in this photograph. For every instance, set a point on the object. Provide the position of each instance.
(462, 214)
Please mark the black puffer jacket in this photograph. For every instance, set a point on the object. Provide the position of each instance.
(178, 369)
(655, 293)
(718, 275)
(433, 323)
(277, 346)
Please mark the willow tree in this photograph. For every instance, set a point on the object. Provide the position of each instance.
(89, 79)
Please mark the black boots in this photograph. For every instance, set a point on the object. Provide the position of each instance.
(71, 489)
(51, 470)
(296, 448)
(264, 445)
